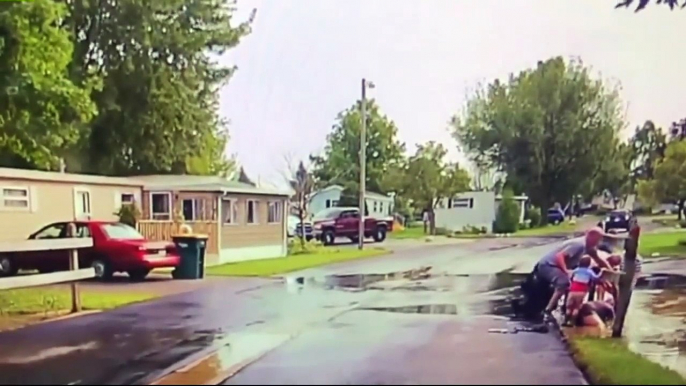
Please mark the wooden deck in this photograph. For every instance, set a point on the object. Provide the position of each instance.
(163, 231)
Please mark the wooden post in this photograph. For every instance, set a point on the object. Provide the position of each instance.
(73, 266)
(627, 279)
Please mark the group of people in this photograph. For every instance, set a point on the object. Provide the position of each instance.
(575, 268)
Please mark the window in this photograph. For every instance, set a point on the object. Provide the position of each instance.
(15, 198)
(82, 231)
(121, 232)
(328, 203)
(160, 206)
(82, 203)
(463, 203)
(274, 214)
(54, 231)
(229, 211)
(334, 203)
(251, 211)
(350, 214)
(375, 207)
(128, 199)
(194, 209)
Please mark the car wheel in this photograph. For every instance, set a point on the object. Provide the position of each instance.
(380, 234)
(103, 270)
(7, 267)
(138, 274)
(328, 238)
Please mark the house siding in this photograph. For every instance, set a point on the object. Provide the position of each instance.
(53, 201)
(241, 234)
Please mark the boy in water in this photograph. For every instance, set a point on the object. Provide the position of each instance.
(581, 279)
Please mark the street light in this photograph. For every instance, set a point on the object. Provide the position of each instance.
(363, 159)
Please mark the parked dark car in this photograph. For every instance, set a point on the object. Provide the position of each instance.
(297, 229)
(344, 222)
(617, 219)
(116, 247)
(555, 216)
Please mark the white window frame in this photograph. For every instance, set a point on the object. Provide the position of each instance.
(462, 203)
(26, 199)
(232, 210)
(83, 190)
(278, 210)
(152, 213)
(255, 211)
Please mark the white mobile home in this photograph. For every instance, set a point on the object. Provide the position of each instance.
(378, 205)
(472, 209)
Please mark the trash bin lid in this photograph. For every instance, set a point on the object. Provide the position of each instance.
(198, 236)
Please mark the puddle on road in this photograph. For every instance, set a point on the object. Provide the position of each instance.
(434, 309)
(655, 323)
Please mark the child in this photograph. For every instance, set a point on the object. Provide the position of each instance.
(581, 283)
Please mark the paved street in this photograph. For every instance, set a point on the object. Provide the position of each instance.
(346, 324)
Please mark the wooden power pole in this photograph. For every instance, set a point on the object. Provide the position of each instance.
(627, 279)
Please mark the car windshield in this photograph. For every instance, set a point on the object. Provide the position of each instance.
(121, 232)
(619, 213)
(327, 214)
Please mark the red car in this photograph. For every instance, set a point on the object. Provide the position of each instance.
(116, 247)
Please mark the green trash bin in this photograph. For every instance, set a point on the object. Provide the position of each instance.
(191, 249)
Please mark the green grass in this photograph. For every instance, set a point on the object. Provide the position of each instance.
(664, 243)
(610, 362)
(548, 230)
(408, 233)
(270, 267)
(40, 300)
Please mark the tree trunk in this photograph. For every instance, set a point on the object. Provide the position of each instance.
(626, 280)
(301, 218)
(680, 209)
(432, 221)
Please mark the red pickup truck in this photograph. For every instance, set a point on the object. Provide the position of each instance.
(344, 222)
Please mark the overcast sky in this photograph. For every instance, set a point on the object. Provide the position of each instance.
(305, 58)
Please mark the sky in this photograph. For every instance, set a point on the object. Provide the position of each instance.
(304, 61)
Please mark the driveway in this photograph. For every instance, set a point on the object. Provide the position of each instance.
(347, 324)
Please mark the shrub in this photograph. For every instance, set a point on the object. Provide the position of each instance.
(533, 214)
(296, 247)
(682, 242)
(128, 214)
(507, 218)
(682, 224)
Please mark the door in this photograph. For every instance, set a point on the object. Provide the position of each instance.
(47, 260)
(347, 224)
(82, 204)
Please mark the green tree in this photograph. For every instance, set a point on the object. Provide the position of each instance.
(340, 162)
(507, 216)
(614, 175)
(158, 105)
(647, 146)
(41, 111)
(551, 129)
(642, 4)
(428, 179)
(669, 182)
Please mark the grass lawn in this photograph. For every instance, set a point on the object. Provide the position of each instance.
(270, 267)
(548, 230)
(610, 362)
(408, 233)
(24, 306)
(664, 243)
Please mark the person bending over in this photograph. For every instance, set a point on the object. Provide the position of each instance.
(555, 267)
(597, 314)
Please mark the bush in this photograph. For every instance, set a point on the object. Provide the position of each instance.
(128, 214)
(533, 214)
(296, 247)
(682, 242)
(507, 218)
(682, 224)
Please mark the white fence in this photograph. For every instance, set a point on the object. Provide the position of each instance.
(16, 248)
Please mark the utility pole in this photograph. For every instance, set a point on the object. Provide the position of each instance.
(363, 160)
(626, 281)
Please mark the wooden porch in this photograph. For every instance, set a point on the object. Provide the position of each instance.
(163, 231)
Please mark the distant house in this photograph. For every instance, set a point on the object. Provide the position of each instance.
(472, 209)
(378, 205)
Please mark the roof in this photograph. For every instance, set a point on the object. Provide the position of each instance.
(367, 194)
(518, 198)
(40, 175)
(189, 183)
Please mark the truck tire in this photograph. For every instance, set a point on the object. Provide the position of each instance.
(7, 267)
(328, 237)
(380, 234)
(138, 274)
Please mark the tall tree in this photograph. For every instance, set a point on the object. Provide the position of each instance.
(41, 111)
(428, 179)
(302, 184)
(669, 183)
(647, 146)
(340, 162)
(551, 129)
(614, 176)
(158, 105)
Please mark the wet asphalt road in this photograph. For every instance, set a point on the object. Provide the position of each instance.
(346, 324)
